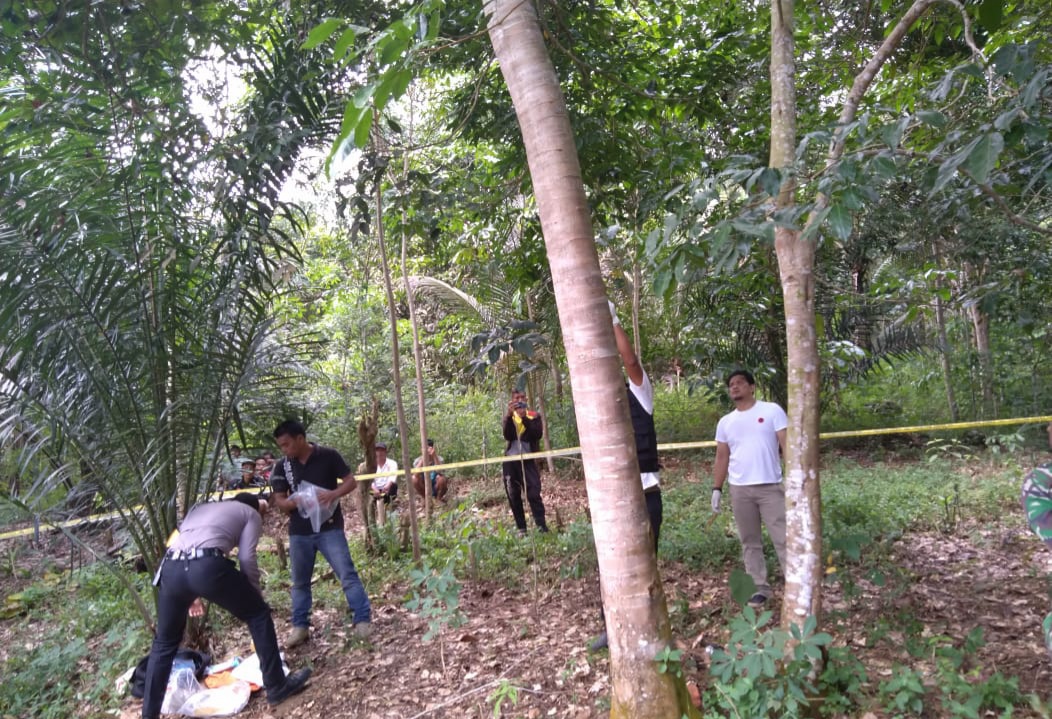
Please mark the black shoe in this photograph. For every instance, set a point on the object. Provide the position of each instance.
(294, 684)
(600, 642)
(757, 601)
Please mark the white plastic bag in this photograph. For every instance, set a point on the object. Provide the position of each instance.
(218, 702)
(306, 499)
(249, 670)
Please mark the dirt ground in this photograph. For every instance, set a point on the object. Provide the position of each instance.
(533, 643)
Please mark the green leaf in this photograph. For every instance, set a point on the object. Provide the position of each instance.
(392, 49)
(932, 117)
(983, 157)
(991, 14)
(742, 586)
(840, 222)
(321, 32)
(892, 132)
(362, 95)
(771, 181)
(883, 167)
(361, 132)
(344, 42)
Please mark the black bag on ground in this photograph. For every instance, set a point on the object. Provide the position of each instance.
(138, 680)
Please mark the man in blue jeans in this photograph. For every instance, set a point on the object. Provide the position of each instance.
(307, 462)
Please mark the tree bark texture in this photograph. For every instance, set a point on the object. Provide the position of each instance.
(796, 256)
(636, 615)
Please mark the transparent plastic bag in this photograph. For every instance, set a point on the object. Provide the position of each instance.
(306, 499)
(218, 702)
(182, 684)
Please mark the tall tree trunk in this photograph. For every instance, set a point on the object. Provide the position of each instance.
(421, 405)
(634, 600)
(396, 371)
(796, 252)
(796, 257)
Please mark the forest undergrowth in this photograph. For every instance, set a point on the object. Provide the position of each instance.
(933, 600)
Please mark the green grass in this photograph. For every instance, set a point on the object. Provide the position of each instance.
(84, 635)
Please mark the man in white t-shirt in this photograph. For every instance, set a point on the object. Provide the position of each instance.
(748, 442)
(641, 409)
(385, 488)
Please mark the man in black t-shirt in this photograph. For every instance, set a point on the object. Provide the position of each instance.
(323, 467)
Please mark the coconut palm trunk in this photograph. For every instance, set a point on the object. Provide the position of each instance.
(636, 615)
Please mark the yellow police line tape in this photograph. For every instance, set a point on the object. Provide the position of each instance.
(572, 451)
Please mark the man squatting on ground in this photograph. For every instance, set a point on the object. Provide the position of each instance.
(439, 481)
(641, 408)
(523, 429)
(321, 466)
(196, 566)
(748, 441)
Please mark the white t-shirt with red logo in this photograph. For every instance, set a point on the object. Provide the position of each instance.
(753, 441)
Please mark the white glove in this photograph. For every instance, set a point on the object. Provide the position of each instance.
(717, 495)
(613, 313)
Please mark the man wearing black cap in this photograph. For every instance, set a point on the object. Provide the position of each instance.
(196, 566)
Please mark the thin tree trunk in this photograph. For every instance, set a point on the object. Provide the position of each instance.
(636, 334)
(981, 329)
(421, 405)
(396, 371)
(944, 342)
(636, 615)
(539, 387)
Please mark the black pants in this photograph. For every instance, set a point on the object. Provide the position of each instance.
(219, 581)
(656, 512)
(516, 475)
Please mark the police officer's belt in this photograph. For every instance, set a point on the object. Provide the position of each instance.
(184, 554)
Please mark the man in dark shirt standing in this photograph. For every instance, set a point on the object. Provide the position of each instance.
(323, 467)
(523, 429)
(196, 566)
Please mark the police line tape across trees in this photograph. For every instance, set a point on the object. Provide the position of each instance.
(567, 452)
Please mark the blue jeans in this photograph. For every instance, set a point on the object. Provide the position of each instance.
(332, 544)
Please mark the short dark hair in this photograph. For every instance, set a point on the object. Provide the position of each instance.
(249, 499)
(235, 446)
(292, 428)
(741, 373)
(430, 443)
(249, 462)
